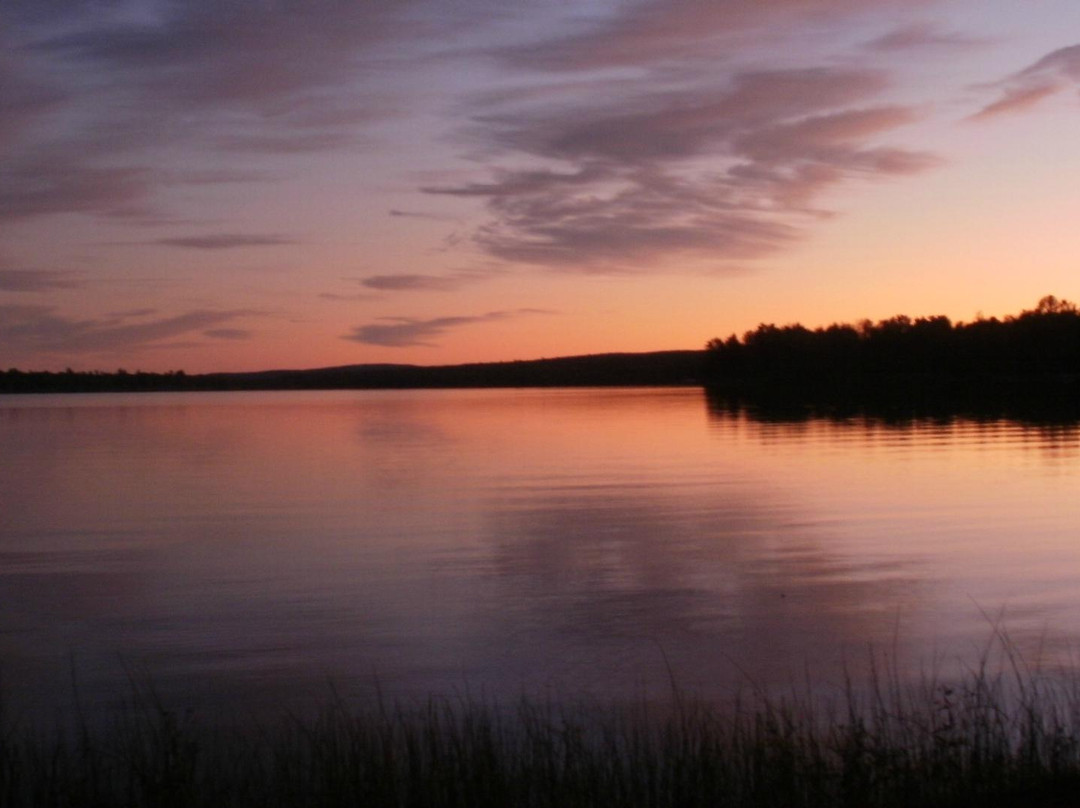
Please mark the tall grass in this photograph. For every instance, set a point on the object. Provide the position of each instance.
(1000, 735)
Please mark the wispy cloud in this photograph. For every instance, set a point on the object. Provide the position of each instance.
(44, 329)
(353, 298)
(226, 241)
(405, 332)
(228, 333)
(25, 100)
(421, 283)
(41, 280)
(709, 172)
(1054, 73)
(290, 143)
(218, 176)
(419, 214)
(84, 88)
(130, 314)
(630, 174)
(661, 32)
(922, 35)
(36, 187)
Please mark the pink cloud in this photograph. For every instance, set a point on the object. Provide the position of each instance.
(41, 328)
(922, 35)
(410, 282)
(41, 280)
(1053, 73)
(405, 332)
(226, 241)
(657, 31)
(718, 173)
(1018, 99)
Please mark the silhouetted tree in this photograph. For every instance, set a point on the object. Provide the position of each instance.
(928, 353)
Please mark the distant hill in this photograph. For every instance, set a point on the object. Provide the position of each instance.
(600, 370)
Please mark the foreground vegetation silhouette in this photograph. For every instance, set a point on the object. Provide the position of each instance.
(1003, 735)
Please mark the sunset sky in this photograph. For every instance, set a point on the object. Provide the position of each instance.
(224, 185)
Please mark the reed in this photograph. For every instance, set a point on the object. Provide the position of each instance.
(999, 735)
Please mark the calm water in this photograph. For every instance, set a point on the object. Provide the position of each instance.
(247, 549)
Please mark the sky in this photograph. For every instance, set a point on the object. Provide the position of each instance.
(231, 185)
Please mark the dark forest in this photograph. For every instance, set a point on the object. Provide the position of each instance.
(1038, 346)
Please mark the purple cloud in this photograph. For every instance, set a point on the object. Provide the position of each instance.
(346, 298)
(920, 35)
(674, 125)
(660, 32)
(203, 54)
(1054, 73)
(41, 328)
(420, 283)
(406, 332)
(26, 101)
(290, 143)
(226, 241)
(35, 188)
(84, 88)
(715, 173)
(30, 280)
(228, 333)
(415, 214)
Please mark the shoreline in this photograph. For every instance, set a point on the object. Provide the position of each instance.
(1003, 735)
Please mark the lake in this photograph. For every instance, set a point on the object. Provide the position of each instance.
(258, 551)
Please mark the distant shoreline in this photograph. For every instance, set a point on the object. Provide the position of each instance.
(658, 368)
(1029, 361)
(1035, 396)
(1001, 735)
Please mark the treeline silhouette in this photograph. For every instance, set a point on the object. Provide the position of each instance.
(1036, 349)
(1041, 341)
(990, 364)
(621, 369)
(94, 381)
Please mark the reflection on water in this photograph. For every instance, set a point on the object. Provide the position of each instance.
(249, 548)
(719, 582)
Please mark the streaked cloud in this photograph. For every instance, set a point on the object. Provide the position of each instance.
(41, 187)
(36, 280)
(405, 332)
(921, 35)
(226, 241)
(423, 148)
(279, 61)
(419, 214)
(421, 283)
(24, 99)
(130, 313)
(218, 176)
(84, 88)
(715, 172)
(1054, 73)
(662, 32)
(346, 297)
(290, 143)
(228, 333)
(44, 329)
(673, 124)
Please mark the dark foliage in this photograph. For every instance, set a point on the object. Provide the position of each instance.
(1003, 735)
(628, 369)
(903, 360)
